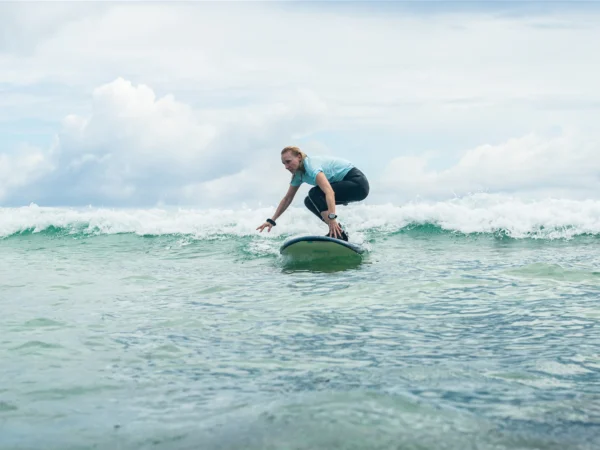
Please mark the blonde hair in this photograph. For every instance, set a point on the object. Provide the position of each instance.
(296, 152)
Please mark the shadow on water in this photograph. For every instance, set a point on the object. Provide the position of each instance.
(321, 265)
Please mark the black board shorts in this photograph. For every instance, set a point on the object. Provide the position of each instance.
(353, 188)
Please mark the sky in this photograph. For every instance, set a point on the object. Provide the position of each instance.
(145, 104)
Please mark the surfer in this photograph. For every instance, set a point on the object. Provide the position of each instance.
(335, 180)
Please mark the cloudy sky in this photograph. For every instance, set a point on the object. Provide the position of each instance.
(144, 104)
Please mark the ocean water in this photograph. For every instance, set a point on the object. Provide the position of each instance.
(468, 324)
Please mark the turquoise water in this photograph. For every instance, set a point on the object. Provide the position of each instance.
(471, 324)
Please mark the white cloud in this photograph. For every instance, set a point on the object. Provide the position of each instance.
(264, 180)
(369, 66)
(22, 168)
(205, 91)
(531, 165)
(135, 129)
(136, 148)
(25, 25)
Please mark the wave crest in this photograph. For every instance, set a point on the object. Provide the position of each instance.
(487, 214)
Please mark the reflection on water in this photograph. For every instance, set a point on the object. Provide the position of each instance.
(322, 264)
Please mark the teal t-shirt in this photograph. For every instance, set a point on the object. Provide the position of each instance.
(335, 169)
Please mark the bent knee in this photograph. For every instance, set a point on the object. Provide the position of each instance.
(364, 191)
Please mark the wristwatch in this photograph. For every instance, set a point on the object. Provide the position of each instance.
(332, 216)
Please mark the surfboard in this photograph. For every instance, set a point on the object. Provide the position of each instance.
(318, 247)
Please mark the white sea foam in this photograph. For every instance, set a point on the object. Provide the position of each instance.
(482, 213)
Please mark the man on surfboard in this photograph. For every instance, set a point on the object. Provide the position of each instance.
(335, 180)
